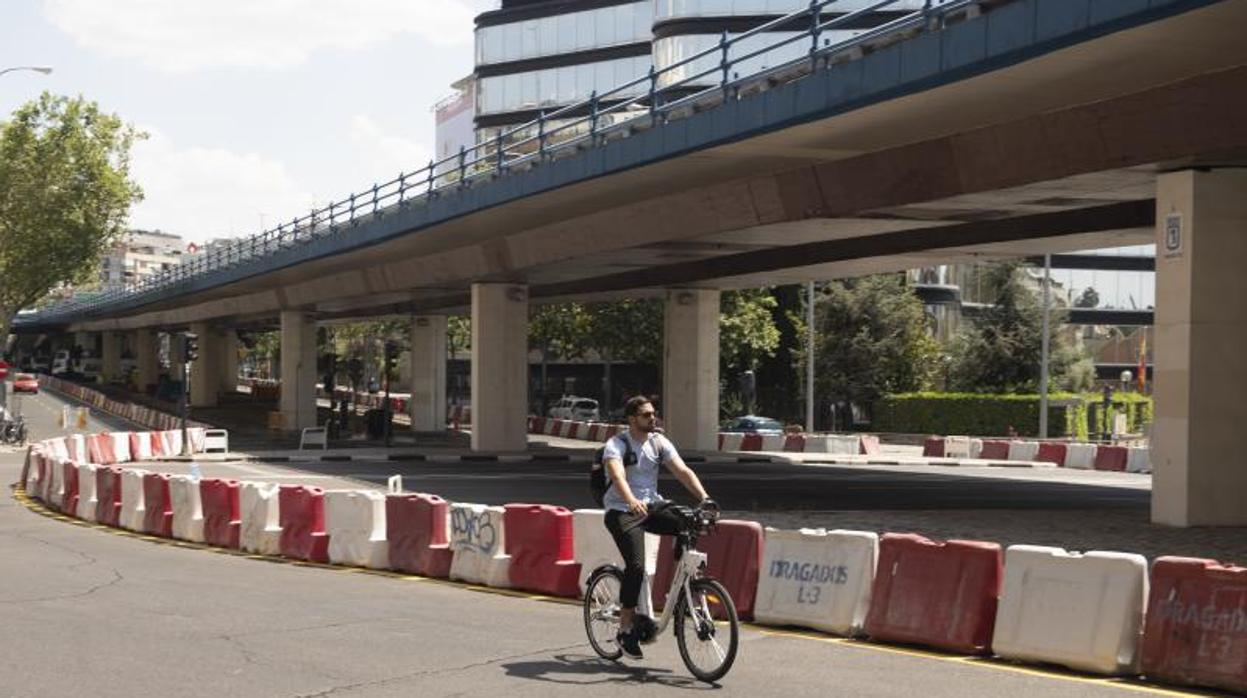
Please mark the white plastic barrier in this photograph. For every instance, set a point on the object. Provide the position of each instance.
(593, 547)
(355, 522)
(976, 448)
(1081, 456)
(171, 442)
(1023, 450)
(198, 438)
(314, 436)
(76, 447)
(54, 490)
(188, 512)
(57, 448)
(478, 539)
(1139, 460)
(260, 529)
(86, 492)
(839, 444)
(132, 498)
(817, 579)
(1082, 611)
(773, 442)
(731, 441)
(121, 446)
(141, 448)
(34, 484)
(216, 441)
(957, 447)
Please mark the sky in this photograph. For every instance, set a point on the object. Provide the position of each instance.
(255, 109)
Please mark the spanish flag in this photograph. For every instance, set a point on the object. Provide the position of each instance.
(1141, 376)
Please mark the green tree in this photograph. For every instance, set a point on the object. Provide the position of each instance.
(1090, 298)
(65, 195)
(1000, 351)
(559, 331)
(458, 334)
(871, 339)
(627, 330)
(747, 330)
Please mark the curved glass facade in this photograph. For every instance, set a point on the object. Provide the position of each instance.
(678, 9)
(672, 50)
(552, 87)
(566, 33)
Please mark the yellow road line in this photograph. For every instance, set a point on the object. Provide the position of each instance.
(1125, 683)
(1129, 684)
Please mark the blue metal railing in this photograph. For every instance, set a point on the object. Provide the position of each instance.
(641, 103)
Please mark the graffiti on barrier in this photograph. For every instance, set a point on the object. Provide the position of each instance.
(472, 530)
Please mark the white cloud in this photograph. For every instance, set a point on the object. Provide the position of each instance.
(183, 35)
(385, 155)
(204, 193)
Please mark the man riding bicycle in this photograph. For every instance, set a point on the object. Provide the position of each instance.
(634, 506)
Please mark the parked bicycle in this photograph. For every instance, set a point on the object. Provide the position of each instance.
(707, 629)
(13, 430)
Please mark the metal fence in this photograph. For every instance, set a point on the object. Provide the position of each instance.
(655, 99)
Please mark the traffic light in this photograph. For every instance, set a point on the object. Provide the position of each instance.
(391, 358)
(190, 346)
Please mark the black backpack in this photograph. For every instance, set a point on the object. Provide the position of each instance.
(598, 480)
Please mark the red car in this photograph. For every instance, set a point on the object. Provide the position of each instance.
(25, 383)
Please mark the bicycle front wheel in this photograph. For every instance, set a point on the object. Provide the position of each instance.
(601, 609)
(707, 631)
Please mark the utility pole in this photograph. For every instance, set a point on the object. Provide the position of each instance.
(809, 357)
(1043, 361)
(391, 363)
(190, 352)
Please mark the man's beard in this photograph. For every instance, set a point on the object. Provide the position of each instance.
(648, 427)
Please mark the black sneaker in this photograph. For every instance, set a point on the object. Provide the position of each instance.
(628, 643)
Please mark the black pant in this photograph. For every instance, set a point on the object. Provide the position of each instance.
(629, 531)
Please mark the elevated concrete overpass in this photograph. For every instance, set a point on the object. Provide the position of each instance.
(1004, 129)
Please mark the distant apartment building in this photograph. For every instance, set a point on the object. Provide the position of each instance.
(140, 254)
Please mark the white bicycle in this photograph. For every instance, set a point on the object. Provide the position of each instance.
(706, 627)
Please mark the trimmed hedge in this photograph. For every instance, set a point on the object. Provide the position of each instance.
(973, 414)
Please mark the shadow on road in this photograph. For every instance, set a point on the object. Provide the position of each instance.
(589, 670)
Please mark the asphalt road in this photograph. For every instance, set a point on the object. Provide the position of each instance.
(91, 611)
(751, 486)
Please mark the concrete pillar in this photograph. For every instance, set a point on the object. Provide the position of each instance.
(147, 364)
(298, 370)
(229, 361)
(427, 373)
(1201, 328)
(690, 383)
(110, 356)
(206, 370)
(499, 367)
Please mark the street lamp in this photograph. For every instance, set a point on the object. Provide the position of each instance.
(1125, 380)
(37, 68)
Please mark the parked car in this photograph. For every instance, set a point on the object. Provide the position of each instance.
(753, 424)
(581, 409)
(90, 368)
(25, 383)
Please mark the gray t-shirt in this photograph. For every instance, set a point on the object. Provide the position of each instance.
(651, 455)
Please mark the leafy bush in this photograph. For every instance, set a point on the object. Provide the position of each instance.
(1069, 414)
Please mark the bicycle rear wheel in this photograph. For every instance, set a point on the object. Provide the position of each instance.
(708, 631)
(601, 611)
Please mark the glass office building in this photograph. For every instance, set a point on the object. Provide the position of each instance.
(534, 57)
